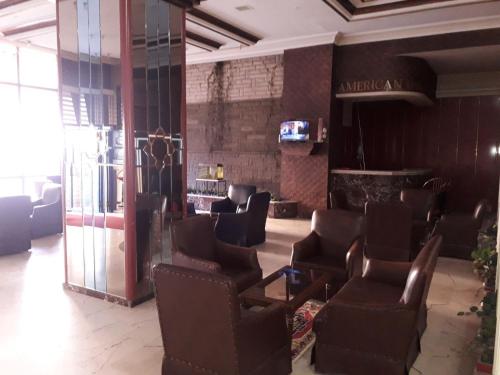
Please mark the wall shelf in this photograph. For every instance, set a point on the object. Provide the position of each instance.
(300, 148)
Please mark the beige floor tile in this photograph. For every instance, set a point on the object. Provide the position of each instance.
(48, 330)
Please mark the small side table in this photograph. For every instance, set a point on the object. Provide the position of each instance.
(282, 209)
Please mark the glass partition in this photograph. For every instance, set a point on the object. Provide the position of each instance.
(95, 131)
(94, 157)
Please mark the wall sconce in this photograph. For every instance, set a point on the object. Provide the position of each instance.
(495, 151)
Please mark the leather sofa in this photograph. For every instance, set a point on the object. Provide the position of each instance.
(204, 331)
(47, 212)
(335, 245)
(15, 225)
(388, 231)
(424, 215)
(248, 226)
(460, 231)
(373, 324)
(236, 200)
(195, 246)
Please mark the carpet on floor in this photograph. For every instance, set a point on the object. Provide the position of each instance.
(303, 337)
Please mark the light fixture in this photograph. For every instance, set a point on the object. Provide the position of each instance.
(495, 151)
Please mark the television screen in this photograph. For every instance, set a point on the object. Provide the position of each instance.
(294, 131)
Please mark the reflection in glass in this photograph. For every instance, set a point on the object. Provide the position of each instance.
(92, 114)
(95, 177)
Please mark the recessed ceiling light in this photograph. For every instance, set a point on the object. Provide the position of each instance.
(243, 8)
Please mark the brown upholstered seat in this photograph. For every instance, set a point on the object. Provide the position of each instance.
(205, 332)
(460, 231)
(194, 246)
(373, 324)
(335, 245)
(388, 231)
(424, 214)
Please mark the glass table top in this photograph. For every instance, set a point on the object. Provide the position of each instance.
(286, 283)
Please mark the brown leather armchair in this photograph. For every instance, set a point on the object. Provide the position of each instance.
(424, 215)
(248, 226)
(257, 208)
(236, 200)
(388, 231)
(335, 245)
(194, 246)
(371, 326)
(205, 332)
(460, 231)
(47, 212)
(15, 228)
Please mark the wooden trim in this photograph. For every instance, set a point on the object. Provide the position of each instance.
(348, 11)
(129, 176)
(32, 27)
(223, 28)
(202, 42)
(10, 3)
(184, 117)
(186, 4)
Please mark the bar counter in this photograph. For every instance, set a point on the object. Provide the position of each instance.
(352, 188)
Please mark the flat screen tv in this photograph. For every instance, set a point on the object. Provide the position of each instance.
(294, 131)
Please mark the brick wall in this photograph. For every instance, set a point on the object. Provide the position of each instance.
(307, 94)
(233, 115)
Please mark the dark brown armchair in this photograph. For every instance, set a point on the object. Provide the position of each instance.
(194, 246)
(205, 332)
(388, 231)
(236, 200)
(424, 215)
(335, 244)
(460, 231)
(371, 326)
(15, 228)
(47, 212)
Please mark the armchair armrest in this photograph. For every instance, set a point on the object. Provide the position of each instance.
(357, 327)
(354, 258)
(263, 334)
(224, 205)
(306, 248)
(394, 273)
(232, 255)
(181, 259)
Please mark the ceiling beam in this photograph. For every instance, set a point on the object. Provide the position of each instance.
(202, 42)
(223, 28)
(10, 3)
(28, 28)
(184, 3)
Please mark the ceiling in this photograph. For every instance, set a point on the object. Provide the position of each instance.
(463, 60)
(269, 27)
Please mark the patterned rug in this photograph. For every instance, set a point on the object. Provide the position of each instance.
(303, 337)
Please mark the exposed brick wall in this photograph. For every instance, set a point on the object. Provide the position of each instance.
(307, 94)
(233, 116)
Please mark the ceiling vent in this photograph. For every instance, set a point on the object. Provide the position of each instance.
(244, 8)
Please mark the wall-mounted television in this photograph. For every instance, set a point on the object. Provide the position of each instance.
(294, 131)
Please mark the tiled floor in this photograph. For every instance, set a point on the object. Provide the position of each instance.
(47, 330)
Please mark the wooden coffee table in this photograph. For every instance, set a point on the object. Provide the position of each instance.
(291, 287)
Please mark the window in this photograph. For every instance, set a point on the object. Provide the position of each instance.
(30, 125)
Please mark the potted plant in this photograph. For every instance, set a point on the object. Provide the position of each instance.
(485, 265)
(485, 338)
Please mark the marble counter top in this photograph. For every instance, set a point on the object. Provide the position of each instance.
(403, 172)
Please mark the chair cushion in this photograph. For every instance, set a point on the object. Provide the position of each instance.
(333, 265)
(243, 278)
(368, 292)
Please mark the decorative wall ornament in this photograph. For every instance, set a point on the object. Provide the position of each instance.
(160, 148)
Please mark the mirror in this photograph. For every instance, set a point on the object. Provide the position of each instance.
(94, 144)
